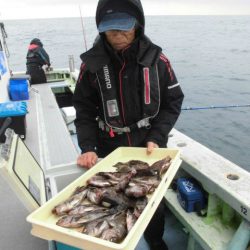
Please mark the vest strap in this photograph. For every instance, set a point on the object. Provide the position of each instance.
(144, 123)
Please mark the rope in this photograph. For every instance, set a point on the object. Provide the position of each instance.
(217, 107)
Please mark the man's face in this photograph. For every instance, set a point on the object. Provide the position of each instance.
(119, 39)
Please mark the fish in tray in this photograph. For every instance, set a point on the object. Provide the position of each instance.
(111, 197)
(108, 179)
(74, 221)
(112, 228)
(85, 208)
(75, 199)
(111, 202)
(79, 220)
(140, 204)
(118, 228)
(131, 165)
(131, 219)
(141, 186)
(161, 166)
(99, 181)
(141, 168)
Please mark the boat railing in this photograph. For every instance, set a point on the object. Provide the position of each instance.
(227, 186)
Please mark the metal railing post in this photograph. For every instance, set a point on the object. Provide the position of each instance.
(241, 237)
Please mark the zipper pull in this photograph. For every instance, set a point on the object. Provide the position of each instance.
(111, 133)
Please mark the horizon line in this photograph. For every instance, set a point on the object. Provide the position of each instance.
(41, 18)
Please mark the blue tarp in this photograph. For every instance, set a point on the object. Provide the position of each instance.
(13, 109)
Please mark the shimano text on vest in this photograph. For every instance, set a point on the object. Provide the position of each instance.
(107, 77)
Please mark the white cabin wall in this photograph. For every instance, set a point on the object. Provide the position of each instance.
(4, 96)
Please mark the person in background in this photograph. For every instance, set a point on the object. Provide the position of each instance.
(127, 94)
(36, 58)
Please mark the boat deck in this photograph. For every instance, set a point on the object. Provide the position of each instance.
(53, 147)
(47, 135)
(50, 142)
(14, 230)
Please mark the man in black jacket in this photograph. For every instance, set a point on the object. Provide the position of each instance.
(126, 95)
(36, 58)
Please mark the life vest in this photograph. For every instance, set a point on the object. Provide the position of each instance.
(151, 97)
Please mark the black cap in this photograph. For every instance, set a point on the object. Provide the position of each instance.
(36, 41)
(131, 7)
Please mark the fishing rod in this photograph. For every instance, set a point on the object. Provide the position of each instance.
(83, 30)
(217, 107)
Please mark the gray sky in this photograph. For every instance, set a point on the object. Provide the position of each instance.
(22, 9)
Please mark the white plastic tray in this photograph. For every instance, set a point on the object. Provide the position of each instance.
(44, 222)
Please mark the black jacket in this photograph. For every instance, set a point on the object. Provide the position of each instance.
(37, 55)
(128, 74)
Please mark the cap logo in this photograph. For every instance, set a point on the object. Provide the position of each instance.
(109, 11)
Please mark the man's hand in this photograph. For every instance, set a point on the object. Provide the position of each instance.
(87, 160)
(150, 147)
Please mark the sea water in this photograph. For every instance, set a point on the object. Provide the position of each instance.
(209, 54)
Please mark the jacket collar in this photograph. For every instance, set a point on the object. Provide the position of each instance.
(96, 57)
(149, 53)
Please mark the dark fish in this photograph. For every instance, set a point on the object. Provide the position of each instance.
(137, 190)
(85, 208)
(116, 176)
(161, 166)
(122, 167)
(94, 195)
(96, 228)
(99, 181)
(130, 220)
(123, 191)
(147, 180)
(115, 234)
(146, 172)
(114, 198)
(140, 204)
(118, 229)
(93, 215)
(69, 221)
(138, 165)
(124, 181)
(80, 189)
(71, 202)
(130, 165)
(74, 221)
